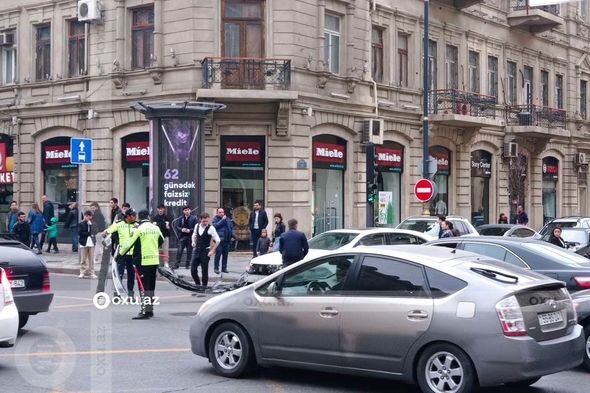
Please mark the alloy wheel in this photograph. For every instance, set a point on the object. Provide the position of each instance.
(588, 347)
(228, 350)
(444, 373)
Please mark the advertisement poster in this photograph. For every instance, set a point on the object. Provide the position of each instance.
(385, 214)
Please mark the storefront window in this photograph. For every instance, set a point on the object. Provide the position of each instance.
(329, 164)
(242, 179)
(440, 204)
(481, 171)
(60, 177)
(550, 177)
(6, 176)
(390, 167)
(136, 163)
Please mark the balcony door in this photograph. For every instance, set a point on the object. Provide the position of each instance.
(242, 44)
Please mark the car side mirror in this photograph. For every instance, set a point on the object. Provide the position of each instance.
(274, 289)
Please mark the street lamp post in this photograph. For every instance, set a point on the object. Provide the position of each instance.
(426, 92)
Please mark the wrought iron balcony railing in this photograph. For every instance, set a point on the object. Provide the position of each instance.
(246, 73)
(533, 115)
(458, 102)
(520, 5)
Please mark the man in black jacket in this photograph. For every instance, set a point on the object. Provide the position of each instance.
(22, 229)
(48, 214)
(293, 244)
(116, 213)
(185, 226)
(256, 223)
(162, 220)
(87, 240)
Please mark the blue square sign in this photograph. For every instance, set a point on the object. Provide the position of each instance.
(81, 151)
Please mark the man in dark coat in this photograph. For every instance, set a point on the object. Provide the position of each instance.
(293, 244)
(225, 229)
(22, 229)
(185, 226)
(256, 223)
(48, 214)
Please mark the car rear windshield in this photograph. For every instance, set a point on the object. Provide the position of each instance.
(562, 224)
(331, 240)
(558, 254)
(419, 225)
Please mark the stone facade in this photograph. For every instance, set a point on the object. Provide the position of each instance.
(312, 102)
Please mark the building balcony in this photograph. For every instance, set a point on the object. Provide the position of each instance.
(466, 3)
(536, 121)
(536, 19)
(246, 73)
(457, 108)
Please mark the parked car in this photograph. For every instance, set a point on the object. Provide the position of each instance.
(507, 230)
(577, 239)
(336, 239)
(565, 222)
(537, 255)
(8, 313)
(581, 301)
(28, 277)
(446, 319)
(429, 225)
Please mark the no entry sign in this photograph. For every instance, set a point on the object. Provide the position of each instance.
(425, 190)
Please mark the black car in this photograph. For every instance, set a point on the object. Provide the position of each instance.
(537, 255)
(582, 303)
(29, 279)
(506, 230)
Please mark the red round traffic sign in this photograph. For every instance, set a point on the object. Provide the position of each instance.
(424, 190)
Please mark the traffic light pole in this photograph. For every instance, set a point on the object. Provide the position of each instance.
(426, 92)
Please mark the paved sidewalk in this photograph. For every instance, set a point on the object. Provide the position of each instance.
(68, 262)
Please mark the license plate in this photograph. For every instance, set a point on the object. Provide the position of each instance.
(550, 318)
(17, 283)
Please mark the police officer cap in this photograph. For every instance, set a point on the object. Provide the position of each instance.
(129, 212)
(143, 214)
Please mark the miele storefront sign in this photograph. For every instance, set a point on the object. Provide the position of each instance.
(329, 155)
(242, 151)
(56, 155)
(389, 159)
(442, 157)
(137, 151)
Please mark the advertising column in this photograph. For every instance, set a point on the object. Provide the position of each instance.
(440, 204)
(329, 164)
(550, 177)
(390, 167)
(136, 164)
(481, 171)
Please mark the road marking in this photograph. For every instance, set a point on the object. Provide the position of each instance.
(72, 306)
(89, 353)
(73, 297)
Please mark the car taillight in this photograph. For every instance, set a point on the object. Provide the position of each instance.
(511, 317)
(583, 282)
(46, 284)
(5, 287)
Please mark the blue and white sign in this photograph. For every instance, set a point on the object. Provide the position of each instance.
(81, 151)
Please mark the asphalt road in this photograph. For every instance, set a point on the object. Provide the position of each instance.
(77, 348)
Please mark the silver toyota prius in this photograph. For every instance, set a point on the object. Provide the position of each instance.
(445, 319)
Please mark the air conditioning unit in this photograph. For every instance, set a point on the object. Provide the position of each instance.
(510, 150)
(7, 39)
(581, 159)
(89, 10)
(373, 131)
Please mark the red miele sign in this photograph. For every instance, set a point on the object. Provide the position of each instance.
(389, 159)
(56, 155)
(442, 160)
(137, 151)
(242, 151)
(329, 155)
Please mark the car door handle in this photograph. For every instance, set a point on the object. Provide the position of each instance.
(417, 315)
(328, 312)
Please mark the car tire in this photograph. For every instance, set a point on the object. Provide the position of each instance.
(231, 351)
(587, 351)
(23, 318)
(524, 383)
(443, 367)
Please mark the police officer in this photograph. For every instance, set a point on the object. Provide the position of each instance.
(125, 230)
(145, 244)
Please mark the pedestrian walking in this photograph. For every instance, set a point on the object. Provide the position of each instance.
(204, 240)
(99, 225)
(556, 238)
(71, 223)
(116, 213)
(185, 226)
(145, 244)
(293, 244)
(124, 230)
(162, 221)
(52, 230)
(446, 231)
(263, 243)
(521, 216)
(503, 219)
(48, 214)
(37, 223)
(12, 216)
(22, 229)
(257, 221)
(225, 229)
(278, 230)
(87, 240)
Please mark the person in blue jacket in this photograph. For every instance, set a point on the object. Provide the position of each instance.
(225, 229)
(37, 223)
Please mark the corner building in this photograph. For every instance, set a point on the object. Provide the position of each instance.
(301, 80)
